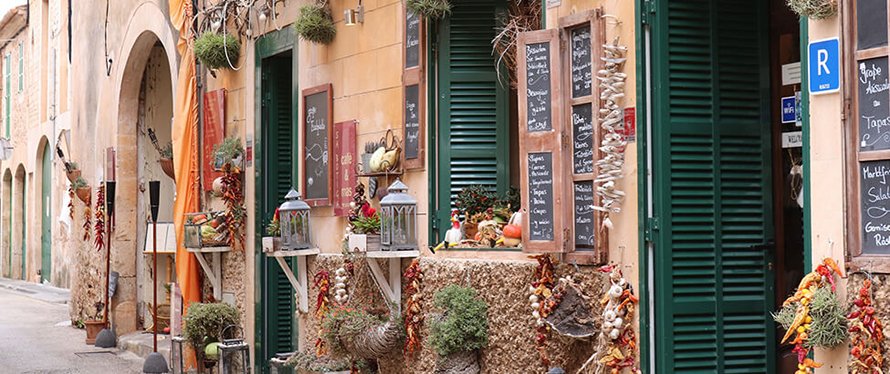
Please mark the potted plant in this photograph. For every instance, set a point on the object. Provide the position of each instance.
(475, 202)
(364, 223)
(217, 51)
(315, 23)
(72, 171)
(94, 325)
(230, 152)
(272, 242)
(461, 330)
(82, 190)
(203, 327)
(167, 160)
(429, 8)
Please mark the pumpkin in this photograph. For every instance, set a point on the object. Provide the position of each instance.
(512, 231)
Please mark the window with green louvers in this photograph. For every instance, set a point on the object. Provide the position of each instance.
(7, 76)
(473, 107)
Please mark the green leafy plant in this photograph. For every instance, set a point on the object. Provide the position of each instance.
(217, 51)
(815, 9)
(204, 323)
(315, 24)
(71, 166)
(429, 8)
(829, 326)
(475, 199)
(341, 324)
(464, 323)
(79, 183)
(366, 225)
(229, 149)
(308, 361)
(167, 151)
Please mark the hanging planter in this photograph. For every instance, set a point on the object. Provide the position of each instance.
(815, 9)
(217, 51)
(429, 8)
(315, 24)
(167, 160)
(81, 189)
(358, 334)
(72, 171)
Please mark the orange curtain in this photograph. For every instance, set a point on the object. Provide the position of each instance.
(185, 151)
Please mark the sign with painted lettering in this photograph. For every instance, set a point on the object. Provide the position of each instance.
(582, 139)
(317, 123)
(412, 122)
(824, 66)
(585, 239)
(343, 167)
(540, 196)
(792, 139)
(874, 108)
(582, 66)
(412, 39)
(874, 183)
(538, 105)
(789, 109)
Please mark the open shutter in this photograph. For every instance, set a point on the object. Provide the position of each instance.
(541, 161)
(473, 137)
(713, 193)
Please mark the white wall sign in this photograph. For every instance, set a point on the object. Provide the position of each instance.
(553, 3)
(791, 73)
(793, 139)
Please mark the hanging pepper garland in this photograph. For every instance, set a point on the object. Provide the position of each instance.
(413, 316)
(617, 344)
(542, 304)
(614, 139)
(99, 228)
(87, 223)
(813, 315)
(323, 283)
(233, 196)
(867, 334)
(71, 201)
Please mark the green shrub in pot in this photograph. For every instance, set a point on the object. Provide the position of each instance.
(204, 323)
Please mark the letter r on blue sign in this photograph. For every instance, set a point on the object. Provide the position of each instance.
(823, 61)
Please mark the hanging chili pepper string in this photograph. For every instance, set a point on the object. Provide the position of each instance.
(322, 282)
(99, 228)
(867, 333)
(541, 291)
(413, 316)
(233, 196)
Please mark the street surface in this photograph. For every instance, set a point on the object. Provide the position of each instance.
(36, 338)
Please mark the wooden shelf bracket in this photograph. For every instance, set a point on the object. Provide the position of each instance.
(298, 281)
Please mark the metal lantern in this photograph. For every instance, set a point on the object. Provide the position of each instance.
(293, 216)
(234, 354)
(398, 222)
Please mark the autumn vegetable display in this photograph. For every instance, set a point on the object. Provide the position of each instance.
(814, 315)
(617, 344)
(485, 216)
(866, 334)
(542, 302)
(413, 316)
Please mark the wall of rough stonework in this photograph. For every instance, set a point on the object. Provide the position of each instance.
(502, 284)
(881, 299)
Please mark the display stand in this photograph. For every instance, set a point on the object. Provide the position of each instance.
(214, 271)
(299, 281)
(392, 287)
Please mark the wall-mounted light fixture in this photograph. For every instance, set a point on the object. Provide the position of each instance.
(354, 16)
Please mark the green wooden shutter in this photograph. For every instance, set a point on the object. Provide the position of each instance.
(278, 171)
(713, 188)
(473, 103)
(7, 76)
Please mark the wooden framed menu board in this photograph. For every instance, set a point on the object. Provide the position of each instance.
(541, 159)
(317, 118)
(413, 91)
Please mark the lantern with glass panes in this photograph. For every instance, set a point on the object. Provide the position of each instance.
(234, 353)
(293, 216)
(398, 220)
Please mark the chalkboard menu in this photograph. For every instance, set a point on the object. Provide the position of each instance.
(871, 23)
(584, 215)
(412, 39)
(317, 133)
(537, 62)
(582, 65)
(412, 122)
(874, 104)
(874, 184)
(582, 138)
(540, 196)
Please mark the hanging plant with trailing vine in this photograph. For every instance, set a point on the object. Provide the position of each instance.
(815, 9)
(315, 23)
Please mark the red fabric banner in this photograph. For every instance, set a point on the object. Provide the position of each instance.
(343, 166)
(214, 132)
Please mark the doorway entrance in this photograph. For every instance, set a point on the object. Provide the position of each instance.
(718, 185)
(46, 223)
(276, 325)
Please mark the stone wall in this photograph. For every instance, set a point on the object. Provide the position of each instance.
(504, 286)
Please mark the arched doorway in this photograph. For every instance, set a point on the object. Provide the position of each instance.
(6, 214)
(46, 223)
(20, 224)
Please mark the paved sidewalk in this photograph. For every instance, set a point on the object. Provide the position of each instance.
(37, 291)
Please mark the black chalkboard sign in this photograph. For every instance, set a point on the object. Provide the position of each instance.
(582, 138)
(584, 215)
(316, 122)
(412, 122)
(871, 23)
(412, 39)
(874, 184)
(582, 65)
(874, 104)
(537, 63)
(540, 196)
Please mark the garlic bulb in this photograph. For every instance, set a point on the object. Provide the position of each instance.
(533, 298)
(614, 334)
(615, 291)
(536, 305)
(609, 315)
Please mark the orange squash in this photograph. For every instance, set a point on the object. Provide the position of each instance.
(512, 231)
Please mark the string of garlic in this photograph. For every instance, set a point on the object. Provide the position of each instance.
(612, 121)
(340, 279)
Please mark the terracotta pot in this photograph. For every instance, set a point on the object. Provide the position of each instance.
(93, 328)
(167, 167)
(73, 175)
(83, 193)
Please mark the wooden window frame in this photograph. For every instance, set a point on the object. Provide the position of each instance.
(329, 88)
(850, 59)
(593, 19)
(414, 76)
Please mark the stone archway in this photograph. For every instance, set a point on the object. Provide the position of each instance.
(6, 223)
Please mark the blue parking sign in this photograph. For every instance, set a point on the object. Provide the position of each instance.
(789, 109)
(824, 66)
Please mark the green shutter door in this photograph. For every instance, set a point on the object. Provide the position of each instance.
(278, 169)
(712, 188)
(473, 103)
(24, 225)
(46, 232)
